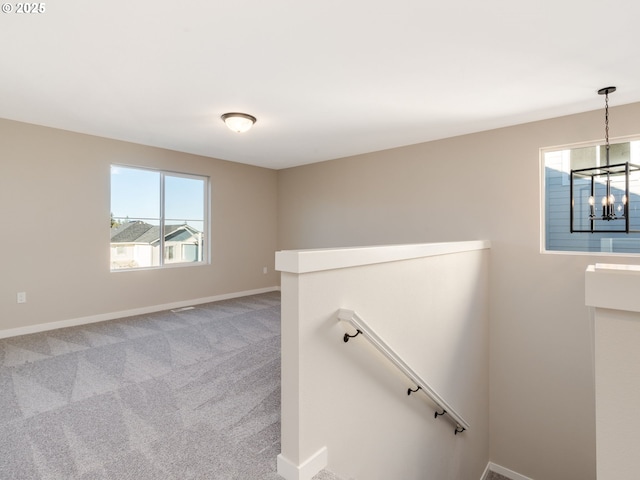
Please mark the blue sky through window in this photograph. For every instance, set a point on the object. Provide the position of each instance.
(184, 199)
(135, 194)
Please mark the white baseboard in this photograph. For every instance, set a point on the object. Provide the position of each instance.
(503, 471)
(485, 474)
(289, 471)
(74, 322)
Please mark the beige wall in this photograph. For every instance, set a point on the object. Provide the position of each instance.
(482, 186)
(54, 208)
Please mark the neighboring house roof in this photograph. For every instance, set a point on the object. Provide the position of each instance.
(129, 232)
(181, 233)
(141, 232)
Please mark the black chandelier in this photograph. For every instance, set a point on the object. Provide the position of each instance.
(589, 184)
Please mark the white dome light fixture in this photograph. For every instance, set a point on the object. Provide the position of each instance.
(238, 122)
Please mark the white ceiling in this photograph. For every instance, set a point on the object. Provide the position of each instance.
(325, 79)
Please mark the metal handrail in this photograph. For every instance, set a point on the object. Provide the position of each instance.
(365, 330)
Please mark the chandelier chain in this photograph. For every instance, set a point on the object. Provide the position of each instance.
(606, 120)
(606, 128)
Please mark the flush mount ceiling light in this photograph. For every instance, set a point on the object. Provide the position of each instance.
(238, 122)
(604, 184)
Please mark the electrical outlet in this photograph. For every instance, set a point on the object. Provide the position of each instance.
(264, 269)
(21, 297)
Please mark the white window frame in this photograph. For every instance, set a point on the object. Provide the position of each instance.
(206, 231)
(565, 166)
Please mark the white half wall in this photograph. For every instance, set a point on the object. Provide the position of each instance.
(430, 303)
(613, 291)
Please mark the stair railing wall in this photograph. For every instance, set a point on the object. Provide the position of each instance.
(347, 410)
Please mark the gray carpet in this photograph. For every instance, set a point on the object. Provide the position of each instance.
(193, 394)
(496, 476)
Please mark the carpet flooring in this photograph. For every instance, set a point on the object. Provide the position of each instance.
(496, 476)
(174, 395)
(191, 394)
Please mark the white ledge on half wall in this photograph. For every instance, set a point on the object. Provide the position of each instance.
(613, 291)
(613, 286)
(315, 260)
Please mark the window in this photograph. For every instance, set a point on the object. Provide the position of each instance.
(557, 164)
(157, 218)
